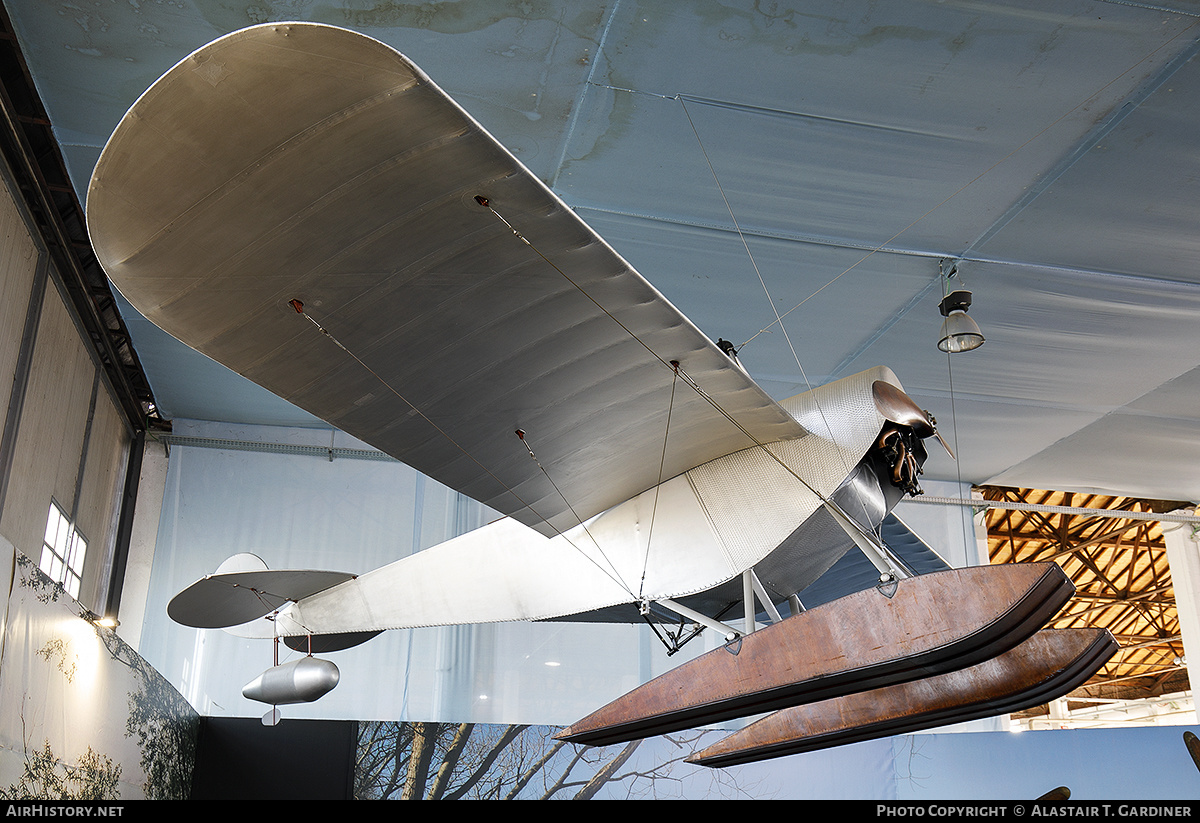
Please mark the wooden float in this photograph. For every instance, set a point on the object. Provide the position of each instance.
(933, 624)
(1044, 667)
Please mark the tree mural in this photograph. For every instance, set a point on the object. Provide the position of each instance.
(165, 728)
(159, 721)
(92, 777)
(453, 761)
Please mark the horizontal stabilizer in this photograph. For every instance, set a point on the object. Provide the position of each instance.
(1046, 666)
(325, 643)
(241, 591)
(863, 641)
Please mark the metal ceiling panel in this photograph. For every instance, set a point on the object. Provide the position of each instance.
(1046, 144)
(853, 122)
(1125, 203)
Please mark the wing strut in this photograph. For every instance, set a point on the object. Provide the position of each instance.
(889, 566)
(751, 586)
(750, 581)
(724, 630)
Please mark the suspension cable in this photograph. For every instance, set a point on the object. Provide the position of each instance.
(770, 299)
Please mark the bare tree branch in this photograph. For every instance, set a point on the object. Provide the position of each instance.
(562, 783)
(524, 779)
(510, 734)
(424, 739)
(450, 760)
(602, 776)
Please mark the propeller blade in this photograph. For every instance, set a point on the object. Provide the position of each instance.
(1193, 746)
(945, 445)
(898, 407)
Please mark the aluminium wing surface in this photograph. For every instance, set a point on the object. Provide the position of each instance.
(303, 162)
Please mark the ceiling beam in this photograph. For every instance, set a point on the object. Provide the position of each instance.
(30, 148)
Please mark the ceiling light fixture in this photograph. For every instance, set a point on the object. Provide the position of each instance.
(959, 332)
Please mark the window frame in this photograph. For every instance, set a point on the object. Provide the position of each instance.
(64, 550)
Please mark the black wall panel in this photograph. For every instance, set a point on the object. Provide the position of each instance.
(241, 759)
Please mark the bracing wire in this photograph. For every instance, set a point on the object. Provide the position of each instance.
(825, 500)
(673, 365)
(524, 439)
(299, 307)
(662, 463)
(271, 604)
(762, 281)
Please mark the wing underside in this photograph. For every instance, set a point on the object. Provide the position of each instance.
(301, 162)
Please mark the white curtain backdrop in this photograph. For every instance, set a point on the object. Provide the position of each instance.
(295, 506)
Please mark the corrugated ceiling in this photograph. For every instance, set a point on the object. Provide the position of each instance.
(1048, 149)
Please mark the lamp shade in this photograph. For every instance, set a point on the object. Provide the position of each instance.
(959, 333)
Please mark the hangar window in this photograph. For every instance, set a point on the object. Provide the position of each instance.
(63, 550)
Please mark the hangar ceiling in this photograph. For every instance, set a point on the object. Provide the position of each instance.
(823, 163)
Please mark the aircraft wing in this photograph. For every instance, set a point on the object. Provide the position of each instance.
(303, 162)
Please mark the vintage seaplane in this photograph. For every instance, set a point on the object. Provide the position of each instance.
(302, 204)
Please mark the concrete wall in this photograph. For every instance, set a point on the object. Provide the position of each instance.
(82, 715)
(62, 437)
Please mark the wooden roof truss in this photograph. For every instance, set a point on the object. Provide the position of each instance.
(1123, 582)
